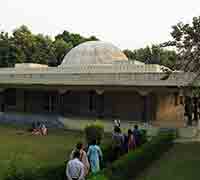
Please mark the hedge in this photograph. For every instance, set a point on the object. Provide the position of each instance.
(126, 168)
(133, 163)
(94, 131)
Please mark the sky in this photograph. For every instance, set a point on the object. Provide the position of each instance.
(125, 23)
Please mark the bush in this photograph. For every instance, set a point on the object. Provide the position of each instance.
(133, 163)
(143, 136)
(94, 131)
(108, 155)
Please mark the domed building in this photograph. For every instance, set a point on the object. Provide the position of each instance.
(94, 52)
(96, 80)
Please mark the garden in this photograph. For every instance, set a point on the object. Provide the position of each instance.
(27, 157)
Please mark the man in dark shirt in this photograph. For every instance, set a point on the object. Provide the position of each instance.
(137, 135)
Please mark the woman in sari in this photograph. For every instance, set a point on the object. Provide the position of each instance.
(95, 155)
(131, 141)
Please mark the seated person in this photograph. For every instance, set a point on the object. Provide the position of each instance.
(36, 131)
(43, 130)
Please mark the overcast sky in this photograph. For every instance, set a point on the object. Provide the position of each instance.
(125, 23)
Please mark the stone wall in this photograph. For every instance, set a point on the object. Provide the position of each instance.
(169, 111)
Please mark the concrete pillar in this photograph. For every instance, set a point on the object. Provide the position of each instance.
(19, 100)
(100, 103)
(146, 109)
(2, 109)
(50, 102)
(61, 102)
(146, 114)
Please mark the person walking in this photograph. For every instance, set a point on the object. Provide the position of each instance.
(137, 135)
(117, 142)
(95, 156)
(75, 168)
(83, 157)
(131, 141)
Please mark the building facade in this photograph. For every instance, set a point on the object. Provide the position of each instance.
(96, 80)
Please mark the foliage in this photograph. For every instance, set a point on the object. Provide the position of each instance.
(22, 46)
(94, 131)
(133, 163)
(140, 159)
(143, 137)
(186, 39)
(74, 39)
(153, 55)
(108, 155)
(61, 48)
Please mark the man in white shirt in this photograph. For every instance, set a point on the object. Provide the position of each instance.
(75, 168)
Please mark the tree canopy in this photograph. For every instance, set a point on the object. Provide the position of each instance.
(186, 39)
(22, 46)
(153, 55)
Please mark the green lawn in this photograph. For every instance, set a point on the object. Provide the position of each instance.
(181, 163)
(18, 145)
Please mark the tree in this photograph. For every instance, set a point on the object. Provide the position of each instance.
(22, 46)
(23, 41)
(43, 50)
(9, 54)
(61, 48)
(186, 39)
(74, 39)
(153, 55)
(129, 54)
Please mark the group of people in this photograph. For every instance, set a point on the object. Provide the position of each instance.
(123, 143)
(39, 129)
(81, 163)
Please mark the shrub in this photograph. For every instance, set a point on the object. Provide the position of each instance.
(94, 131)
(131, 164)
(108, 155)
(143, 136)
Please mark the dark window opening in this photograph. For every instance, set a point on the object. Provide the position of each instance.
(10, 97)
(91, 101)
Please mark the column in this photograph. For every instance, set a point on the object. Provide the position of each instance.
(2, 109)
(100, 103)
(61, 100)
(146, 116)
(19, 100)
(146, 111)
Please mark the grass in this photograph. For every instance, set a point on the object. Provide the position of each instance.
(17, 143)
(182, 162)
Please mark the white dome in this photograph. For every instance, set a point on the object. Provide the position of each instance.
(94, 52)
